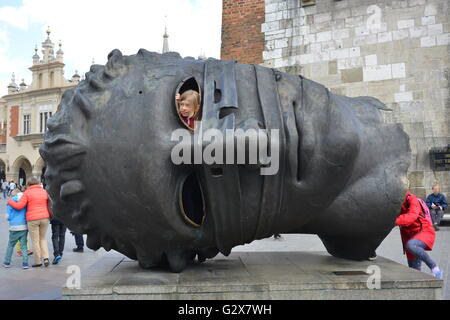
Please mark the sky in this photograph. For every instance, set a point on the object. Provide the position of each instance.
(90, 29)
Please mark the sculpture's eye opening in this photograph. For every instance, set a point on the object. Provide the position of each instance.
(189, 84)
(192, 201)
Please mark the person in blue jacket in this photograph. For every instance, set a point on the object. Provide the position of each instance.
(18, 231)
(437, 203)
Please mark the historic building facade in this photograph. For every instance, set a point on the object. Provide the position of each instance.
(397, 51)
(25, 110)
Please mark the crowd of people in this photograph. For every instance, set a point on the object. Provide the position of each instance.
(29, 213)
(8, 187)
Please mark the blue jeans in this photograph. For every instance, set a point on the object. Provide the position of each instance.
(417, 249)
(15, 236)
(5, 193)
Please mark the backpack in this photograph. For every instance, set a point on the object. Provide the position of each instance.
(425, 210)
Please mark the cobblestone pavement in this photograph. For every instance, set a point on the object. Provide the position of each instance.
(46, 283)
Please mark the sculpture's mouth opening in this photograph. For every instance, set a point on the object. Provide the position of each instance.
(192, 202)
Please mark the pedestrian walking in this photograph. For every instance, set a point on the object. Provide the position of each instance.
(58, 239)
(12, 187)
(35, 198)
(79, 242)
(18, 231)
(5, 189)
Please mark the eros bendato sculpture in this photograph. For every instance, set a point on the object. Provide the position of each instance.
(339, 172)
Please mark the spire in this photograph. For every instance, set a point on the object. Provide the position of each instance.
(202, 55)
(48, 48)
(166, 40)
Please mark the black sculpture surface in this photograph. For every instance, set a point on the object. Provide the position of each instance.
(110, 173)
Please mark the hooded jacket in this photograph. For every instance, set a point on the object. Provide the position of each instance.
(16, 218)
(35, 198)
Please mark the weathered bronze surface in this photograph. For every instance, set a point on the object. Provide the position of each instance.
(110, 173)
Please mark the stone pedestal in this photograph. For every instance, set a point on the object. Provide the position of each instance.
(258, 275)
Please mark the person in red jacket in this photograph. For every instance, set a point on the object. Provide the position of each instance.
(35, 198)
(417, 235)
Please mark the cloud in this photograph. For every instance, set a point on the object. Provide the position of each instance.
(13, 16)
(7, 63)
(91, 29)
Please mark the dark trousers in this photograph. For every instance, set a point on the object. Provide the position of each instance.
(79, 241)
(58, 239)
(436, 215)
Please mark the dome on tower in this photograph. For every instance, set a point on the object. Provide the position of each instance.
(36, 57)
(23, 85)
(12, 87)
(76, 77)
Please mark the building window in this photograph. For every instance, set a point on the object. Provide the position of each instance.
(26, 124)
(44, 116)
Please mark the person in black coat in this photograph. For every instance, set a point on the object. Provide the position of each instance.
(58, 239)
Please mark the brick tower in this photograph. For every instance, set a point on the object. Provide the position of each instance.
(242, 39)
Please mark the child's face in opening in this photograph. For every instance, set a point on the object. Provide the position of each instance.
(188, 108)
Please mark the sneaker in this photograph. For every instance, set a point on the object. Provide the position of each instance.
(7, 264)
(56, 260)
(437, 273)
(78, 250)
(36, 265)
(46, 262)
(25, 266)
(373, 256)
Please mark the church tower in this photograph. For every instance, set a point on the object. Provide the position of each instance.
(48, 72)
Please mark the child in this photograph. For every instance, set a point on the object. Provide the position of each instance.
(19, 252)
(417, 235)
(18, 231)
(189, 107)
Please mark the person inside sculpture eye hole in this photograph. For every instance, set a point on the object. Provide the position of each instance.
(417, 234)
(189, 107)
(437, 203)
